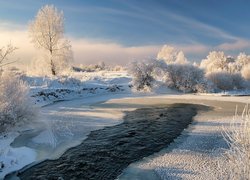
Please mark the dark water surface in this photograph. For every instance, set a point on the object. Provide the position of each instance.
(107, 152)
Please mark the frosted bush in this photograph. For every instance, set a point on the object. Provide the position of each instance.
(186, 78)
(143, 74)
(226, 81)
(93, 67)
(15, 107)
(238, 81)
(246, 72)
(69, 81)
(118, 68)
(238, 155)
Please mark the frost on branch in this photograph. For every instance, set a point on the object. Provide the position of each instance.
(246, 72)
(47, 33)
(143, 74)
(186, 78)
(170, 55)
(226, 81)
(242, 60)
(15, 107)
(215, 61)
(5, 53)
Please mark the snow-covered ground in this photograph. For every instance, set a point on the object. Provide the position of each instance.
(61, 125)
(46, 90)
(65, 124)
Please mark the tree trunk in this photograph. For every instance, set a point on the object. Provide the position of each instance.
(52, 68)
(53, 71)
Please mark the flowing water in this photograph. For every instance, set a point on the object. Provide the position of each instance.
(107, 152)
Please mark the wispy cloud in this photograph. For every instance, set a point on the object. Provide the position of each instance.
(205, 29)
(169, 19)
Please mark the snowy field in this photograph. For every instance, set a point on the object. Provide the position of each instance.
(65, 124)
(46, 90)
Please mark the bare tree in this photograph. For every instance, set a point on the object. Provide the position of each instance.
(47, 32)
(5, 53)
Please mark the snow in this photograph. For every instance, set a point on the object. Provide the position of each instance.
(13, 158)
(65, 124)
(47, 90)
(62, 125)
(196, 153)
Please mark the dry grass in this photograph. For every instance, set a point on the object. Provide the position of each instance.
(238, 139)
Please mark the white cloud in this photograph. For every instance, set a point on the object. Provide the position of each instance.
(87, 51)
(194, 49)
(236, 45)
(18, 38)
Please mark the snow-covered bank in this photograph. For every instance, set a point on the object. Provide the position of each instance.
(12, 159)
(57, 125)
(46, 90)
(60, 126)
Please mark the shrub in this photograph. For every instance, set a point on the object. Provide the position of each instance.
(15, 108)
(143, 74)
(226, 81)
(186, 78)
(246, 72)
(118, 68)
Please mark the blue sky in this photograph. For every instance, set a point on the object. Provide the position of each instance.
(210, 24)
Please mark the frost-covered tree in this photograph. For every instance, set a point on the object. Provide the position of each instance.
(180, 58)
(5, 53)
(215, 61)
(186, 78)
(143, 74)
(15, 107)
(242, 60)
(233, 68)
(47, 33)
(170, 55)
